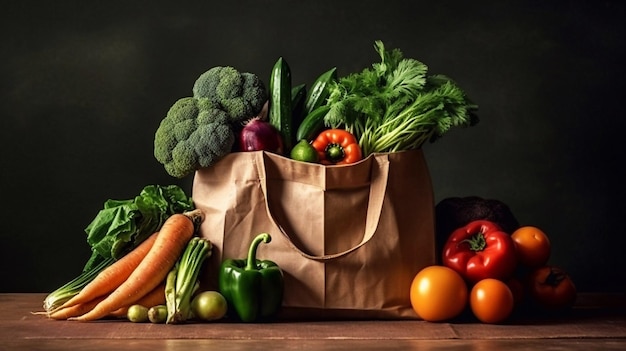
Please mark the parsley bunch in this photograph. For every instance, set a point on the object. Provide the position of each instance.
(395, 105)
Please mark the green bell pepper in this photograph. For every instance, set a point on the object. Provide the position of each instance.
(253, 288)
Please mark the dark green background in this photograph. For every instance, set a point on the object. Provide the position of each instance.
(84, 85)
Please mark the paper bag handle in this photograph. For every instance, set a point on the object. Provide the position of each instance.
(379, 175)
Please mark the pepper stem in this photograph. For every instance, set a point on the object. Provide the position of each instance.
(335, 153)
(476, 242)
(251, 261)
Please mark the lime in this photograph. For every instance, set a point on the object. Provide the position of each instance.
(303, 151)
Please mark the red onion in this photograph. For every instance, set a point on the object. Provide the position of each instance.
(258, 135)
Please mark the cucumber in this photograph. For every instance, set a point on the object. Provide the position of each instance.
(280, 101)
(298, 95)
(312, 124)
(319, 92)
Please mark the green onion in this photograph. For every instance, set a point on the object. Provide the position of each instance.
(182, 281)
(74, 286)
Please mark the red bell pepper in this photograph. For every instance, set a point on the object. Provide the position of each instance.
(337, 147)
(480, 250)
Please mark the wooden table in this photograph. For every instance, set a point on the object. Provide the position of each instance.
(598, 322)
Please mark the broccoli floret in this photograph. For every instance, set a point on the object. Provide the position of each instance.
(214, 137)
(193, 134)
(240, 94)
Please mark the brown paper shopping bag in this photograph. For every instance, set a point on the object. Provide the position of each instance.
(349, 238)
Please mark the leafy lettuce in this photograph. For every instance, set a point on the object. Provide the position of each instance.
(123, 224)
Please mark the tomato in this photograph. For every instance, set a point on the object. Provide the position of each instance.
(480, 250)
(552, 288)
(491, 301)
(438, 293)
(532, 246)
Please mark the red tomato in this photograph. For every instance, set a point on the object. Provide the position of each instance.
(552, 288)
(491, 301)
(480, 250)
(532, 246)
(438, 293)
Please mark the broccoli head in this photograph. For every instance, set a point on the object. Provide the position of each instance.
(241, 94)
(193, 134)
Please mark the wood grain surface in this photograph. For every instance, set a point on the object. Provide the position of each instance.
(595, 322)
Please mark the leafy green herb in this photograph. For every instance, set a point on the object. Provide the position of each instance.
(395, 105)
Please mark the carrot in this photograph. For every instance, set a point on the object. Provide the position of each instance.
(75, 310)
(153, 298)
(169, 244)
(112, 276)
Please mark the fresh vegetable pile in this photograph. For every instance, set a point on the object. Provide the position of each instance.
(120, 227)
(488, 271)
(157, 279)
(392, 106)
(137, 260)
(146, 266)
(147, 258)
